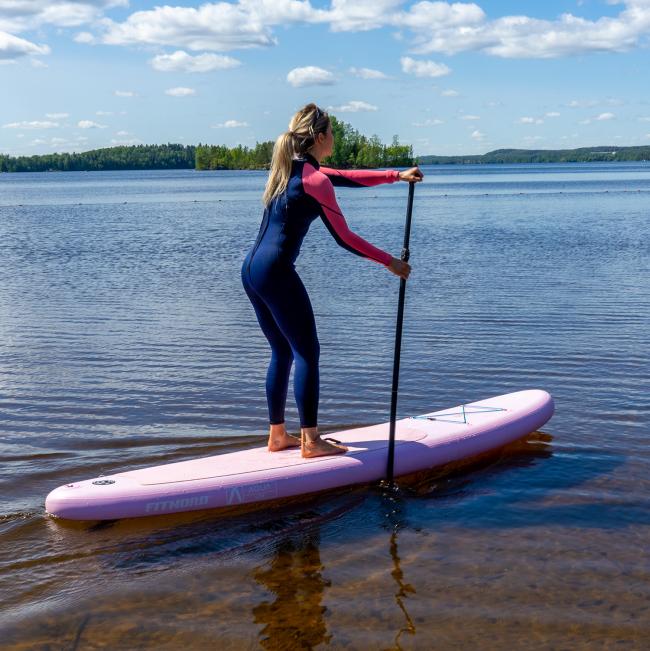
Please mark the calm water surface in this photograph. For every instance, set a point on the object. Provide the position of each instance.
(126, 340)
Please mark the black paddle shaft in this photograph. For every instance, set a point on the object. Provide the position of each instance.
(398, 339)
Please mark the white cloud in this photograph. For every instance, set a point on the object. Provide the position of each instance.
(644, 119)
(353, 106)
(103, 112)
(605, 116)
(434, 26)
(122, 133)
(181, 61)
(89, 124)
(54, 143)
(450, 92)
(124, 93)
(212, 26)
(590, 103)
(230, 124)
(12, 47)
(424, 68)
(477, 135)
(552, 114)
(522, 36)
(368, 73)
(29, 15)
(310, 76)
(470, 117)
(84, 37)
(180, 91)
(125, 142)
(431, 122)
(34, 124)
(526, 120)
(57, 116)
(358, 15)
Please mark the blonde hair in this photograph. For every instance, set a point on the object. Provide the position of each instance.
(301, 136)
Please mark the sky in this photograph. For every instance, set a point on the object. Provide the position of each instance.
(447, 78)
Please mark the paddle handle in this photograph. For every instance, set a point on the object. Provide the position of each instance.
(398, 339)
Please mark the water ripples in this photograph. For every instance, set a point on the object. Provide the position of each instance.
(126, 340)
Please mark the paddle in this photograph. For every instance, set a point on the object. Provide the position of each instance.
(398, 339)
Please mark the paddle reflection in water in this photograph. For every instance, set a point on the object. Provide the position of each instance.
(392, 501)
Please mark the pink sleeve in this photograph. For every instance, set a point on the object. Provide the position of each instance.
(319, 187)
(359, 178)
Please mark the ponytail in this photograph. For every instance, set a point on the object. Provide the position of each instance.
(300, 137)
(283, 151)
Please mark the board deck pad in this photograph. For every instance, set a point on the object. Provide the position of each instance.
(422, 441)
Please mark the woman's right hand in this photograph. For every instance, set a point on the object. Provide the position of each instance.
(399, 268)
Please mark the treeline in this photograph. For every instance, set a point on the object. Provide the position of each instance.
(134, 157)
(351, 149)
(580, 155)
(220, 157)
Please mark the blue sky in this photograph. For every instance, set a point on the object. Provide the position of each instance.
(448, 78)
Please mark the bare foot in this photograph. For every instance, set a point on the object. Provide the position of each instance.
(319, 448)
(280, 440)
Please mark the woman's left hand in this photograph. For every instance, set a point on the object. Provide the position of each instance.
(414, 174)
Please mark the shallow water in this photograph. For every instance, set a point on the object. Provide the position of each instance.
(126, 340)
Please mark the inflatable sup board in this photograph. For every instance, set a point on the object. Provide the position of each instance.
(257, 475)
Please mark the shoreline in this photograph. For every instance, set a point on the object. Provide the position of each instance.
(265, 169)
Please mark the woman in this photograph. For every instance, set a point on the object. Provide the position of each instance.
(298, 191)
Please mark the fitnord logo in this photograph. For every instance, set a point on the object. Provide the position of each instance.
(182, 503)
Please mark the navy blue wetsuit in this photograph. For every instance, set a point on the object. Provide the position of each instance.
(278, 295)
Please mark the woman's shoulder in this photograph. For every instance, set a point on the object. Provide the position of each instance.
(309, 171)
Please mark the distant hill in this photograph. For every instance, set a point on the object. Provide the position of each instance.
(580, 155)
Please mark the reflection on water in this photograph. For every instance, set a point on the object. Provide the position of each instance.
(404, 589)
(294, 618)
(392, 501)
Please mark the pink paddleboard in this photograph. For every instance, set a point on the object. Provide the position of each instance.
(249, 476)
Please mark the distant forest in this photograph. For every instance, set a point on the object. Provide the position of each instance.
(351, 149)
(135, 157)
(581, 155)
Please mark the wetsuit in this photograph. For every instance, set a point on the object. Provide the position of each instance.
(271, 282)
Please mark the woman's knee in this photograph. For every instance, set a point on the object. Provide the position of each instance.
(309, 354)
(281, 351)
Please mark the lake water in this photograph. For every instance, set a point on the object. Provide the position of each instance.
(126, 340)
